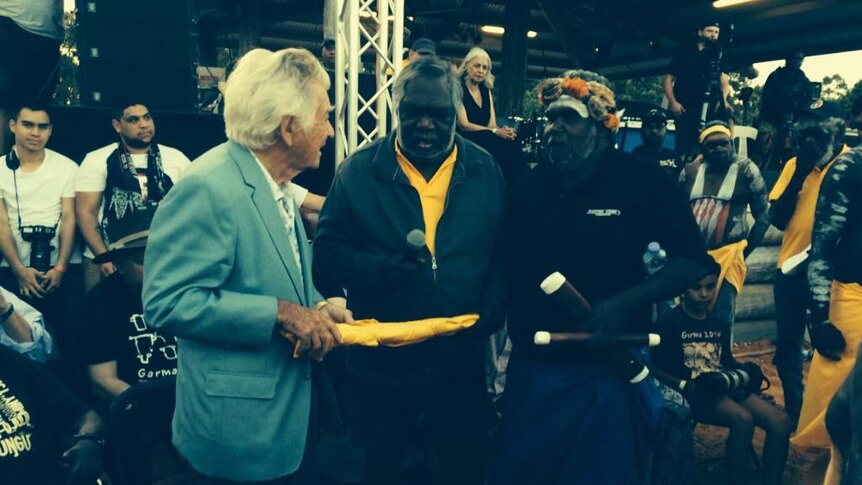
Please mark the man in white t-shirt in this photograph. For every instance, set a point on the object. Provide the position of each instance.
(125, 176)
(37, 198)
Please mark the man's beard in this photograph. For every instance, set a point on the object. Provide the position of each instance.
(573, 160)
(819, 157)
(135, 143)
(723, 159)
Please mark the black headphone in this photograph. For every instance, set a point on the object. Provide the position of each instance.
(12, 161)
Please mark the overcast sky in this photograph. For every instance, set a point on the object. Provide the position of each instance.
(848, 64)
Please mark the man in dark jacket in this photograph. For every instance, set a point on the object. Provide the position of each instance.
(425, 177)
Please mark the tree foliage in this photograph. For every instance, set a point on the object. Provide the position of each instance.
(67, 92)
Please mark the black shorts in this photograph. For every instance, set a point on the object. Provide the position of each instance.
(28, 65)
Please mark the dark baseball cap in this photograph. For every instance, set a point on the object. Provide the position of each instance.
(656, 115)
(822, 109)
(424, 46)
(328, 42)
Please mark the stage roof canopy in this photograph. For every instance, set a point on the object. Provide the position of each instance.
(619, 38)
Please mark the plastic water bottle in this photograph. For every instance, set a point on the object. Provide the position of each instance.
(654, 258)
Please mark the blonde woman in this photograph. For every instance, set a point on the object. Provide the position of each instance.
(477, 117)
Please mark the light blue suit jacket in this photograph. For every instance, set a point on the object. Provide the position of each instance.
(217, 258)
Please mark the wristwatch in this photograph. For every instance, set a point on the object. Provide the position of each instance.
(99, 440)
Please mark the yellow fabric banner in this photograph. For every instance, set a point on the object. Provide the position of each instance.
(826, 376)
(371, 333)
(732, 262)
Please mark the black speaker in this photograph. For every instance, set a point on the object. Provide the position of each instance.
(128, 49)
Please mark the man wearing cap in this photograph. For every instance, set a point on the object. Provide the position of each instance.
(589, 213)
(835, 282)
(327, 53)
(653, 133)
(115, 342)
(421, 47)
(685, 85)
(792, 203)
(722, 187)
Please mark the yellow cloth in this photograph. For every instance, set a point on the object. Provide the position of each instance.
(432, 193)
(371, 333)
(797, 235)
(732, 262)
(826, 376)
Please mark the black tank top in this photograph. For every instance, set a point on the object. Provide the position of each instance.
(480, 115)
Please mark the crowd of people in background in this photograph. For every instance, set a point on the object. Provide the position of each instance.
(254, 286)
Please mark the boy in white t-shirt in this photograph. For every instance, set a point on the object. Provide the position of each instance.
(37, 199)
(125, 176)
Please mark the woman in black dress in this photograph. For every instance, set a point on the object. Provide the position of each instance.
(477, 118)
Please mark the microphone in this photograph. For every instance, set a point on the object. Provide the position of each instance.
(415, 247)
(557, 287)
(584, 339)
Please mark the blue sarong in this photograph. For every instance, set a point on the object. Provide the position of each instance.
(570, 424)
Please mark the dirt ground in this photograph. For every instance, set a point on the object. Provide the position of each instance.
(804, 467)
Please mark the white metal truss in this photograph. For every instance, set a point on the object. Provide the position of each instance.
(375, 28)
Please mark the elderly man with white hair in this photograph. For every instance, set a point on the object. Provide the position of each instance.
(229, 274)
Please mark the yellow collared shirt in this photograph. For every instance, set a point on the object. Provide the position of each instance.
(797, 235)
(432, 193)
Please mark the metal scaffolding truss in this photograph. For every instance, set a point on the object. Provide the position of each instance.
(373, 27)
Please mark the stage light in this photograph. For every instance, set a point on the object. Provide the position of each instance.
(493, 29)
(497, 30)
(729, 3)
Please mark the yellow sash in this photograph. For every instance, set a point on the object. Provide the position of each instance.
(826, 376)
(371, 333)
(732, 262)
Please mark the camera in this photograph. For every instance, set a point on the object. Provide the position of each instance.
(40, 238)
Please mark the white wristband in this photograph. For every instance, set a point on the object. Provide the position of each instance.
(682, 384)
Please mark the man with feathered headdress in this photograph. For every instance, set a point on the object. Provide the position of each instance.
(589, 213)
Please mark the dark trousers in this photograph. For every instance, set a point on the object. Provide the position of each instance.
(28, 65)
(451, 415)
(792, 300)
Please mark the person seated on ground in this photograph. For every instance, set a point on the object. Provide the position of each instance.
(22, 328)
(695, 358)
(116, 344)
(477, 118)
(653, 133)
(115, 341)
(47, 434)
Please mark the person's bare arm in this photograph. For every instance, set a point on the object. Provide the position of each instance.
(465, 125)
(15, 326)
(104, 380)
(87, 206)
(54, 276)
(725, 90)
(674, 105)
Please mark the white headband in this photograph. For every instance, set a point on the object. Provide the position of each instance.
(571, 102)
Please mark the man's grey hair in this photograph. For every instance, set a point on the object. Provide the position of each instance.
(266, 86)
(428, 67)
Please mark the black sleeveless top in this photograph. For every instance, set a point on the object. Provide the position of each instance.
(475, 113)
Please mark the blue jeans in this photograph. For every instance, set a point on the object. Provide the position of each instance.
(792, 300)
